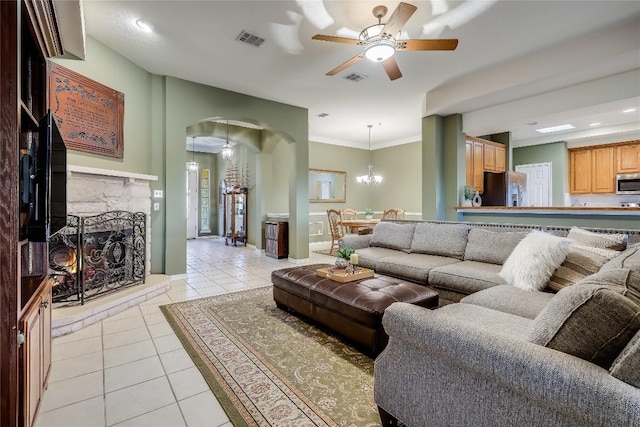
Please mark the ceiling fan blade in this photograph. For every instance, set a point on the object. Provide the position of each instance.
(427, 44)
(399, 17)
(391, 67)
(346, 65)
(335, 39)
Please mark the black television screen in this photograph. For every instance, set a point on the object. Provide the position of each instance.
(48, 201)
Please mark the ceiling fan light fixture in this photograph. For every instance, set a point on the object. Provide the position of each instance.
(380, 50)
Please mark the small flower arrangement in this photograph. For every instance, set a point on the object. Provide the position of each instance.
(468, 192)
(368, 211)
(346, 253)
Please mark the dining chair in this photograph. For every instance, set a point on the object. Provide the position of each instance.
(335, 227)
(348, 213)
(395, 213)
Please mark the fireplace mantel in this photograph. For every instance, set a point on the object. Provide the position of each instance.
(131, 176)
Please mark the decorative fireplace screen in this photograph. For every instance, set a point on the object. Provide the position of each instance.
(97, 254)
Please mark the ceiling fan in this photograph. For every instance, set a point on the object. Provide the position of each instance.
(381, 41)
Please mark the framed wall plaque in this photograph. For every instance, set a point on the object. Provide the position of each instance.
(89, 115)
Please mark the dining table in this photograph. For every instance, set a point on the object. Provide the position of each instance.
(355, 225)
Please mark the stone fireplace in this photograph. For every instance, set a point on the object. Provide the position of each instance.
(92, 192)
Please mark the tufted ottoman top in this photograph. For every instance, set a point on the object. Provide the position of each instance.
(363, 300)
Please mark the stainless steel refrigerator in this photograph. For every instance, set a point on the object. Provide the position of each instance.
(505, 189)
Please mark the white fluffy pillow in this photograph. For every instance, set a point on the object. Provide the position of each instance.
(533, 261)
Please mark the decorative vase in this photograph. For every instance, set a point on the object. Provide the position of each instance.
(368, 217)
(341, 263)
(467, 203)
(477, 200)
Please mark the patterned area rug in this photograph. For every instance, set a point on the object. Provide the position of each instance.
(269, 368)
(326, 252)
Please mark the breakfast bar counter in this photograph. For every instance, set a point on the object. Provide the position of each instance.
(550, 210)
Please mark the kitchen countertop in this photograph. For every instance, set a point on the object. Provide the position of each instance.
(551, 210)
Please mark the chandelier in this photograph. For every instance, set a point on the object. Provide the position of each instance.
(193, 166)
(370, 178)
(227, 150)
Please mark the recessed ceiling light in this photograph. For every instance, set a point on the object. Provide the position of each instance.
(595, 124)
(144, 26)
(532, 123)
(629, 110)
(556, 128)
(323, 115)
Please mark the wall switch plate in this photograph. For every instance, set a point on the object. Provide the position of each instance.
(157, 194)
(156, 206)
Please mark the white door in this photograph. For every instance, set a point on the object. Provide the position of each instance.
(538, 183)
(192, 204)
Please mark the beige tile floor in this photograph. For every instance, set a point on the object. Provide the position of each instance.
(131, 370)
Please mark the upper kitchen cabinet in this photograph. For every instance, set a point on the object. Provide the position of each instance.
(483, 156)
(603, 170)
(628, 158)
(580, 171)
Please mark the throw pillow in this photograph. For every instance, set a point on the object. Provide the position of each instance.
(629, 258)
(626, 367)
(577, 265)
(607, 245)
(393, 236)
(621, 280)
(447, 240)
(591, 322)
(490, 246)
(534, 260)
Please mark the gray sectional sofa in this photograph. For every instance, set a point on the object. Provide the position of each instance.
(497, 355)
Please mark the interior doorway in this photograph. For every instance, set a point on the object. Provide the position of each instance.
(192, 203)
(538, 183)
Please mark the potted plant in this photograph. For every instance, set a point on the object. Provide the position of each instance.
(468, 196)
(368, 213)
(343, 257)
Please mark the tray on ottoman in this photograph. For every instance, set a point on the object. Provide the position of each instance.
(352, 309)
(341, 275)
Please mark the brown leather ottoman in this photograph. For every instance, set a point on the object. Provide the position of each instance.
(352, 309)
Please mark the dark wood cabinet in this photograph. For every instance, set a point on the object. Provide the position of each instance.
(235, 216)
(28, 35)
(276, 239)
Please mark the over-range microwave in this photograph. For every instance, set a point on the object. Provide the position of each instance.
(628, 183)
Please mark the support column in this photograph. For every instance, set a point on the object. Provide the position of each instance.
(299, 200)
(432, 173)
(455, 164)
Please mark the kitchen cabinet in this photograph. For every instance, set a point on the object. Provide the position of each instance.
(478, 166)
(483, 156)
(592, 170)
(603, 170)
(276, 239)
(35, 357)
(501, 159)
(489, 157)
(580, 171)
(628, 158)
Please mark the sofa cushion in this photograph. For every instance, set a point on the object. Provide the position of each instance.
(392, 236)
(488, 319)
(591, 322)
(607, 245)
(626, 367)
(491, 246)
(368, 257)
(629, 258)
(512, 300)
(622, 280)
(577, 265)
(534, 260)
(414, 267)
(448, 240)
(466, 277)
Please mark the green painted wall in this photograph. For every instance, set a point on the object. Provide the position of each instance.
(401, 170)
(557, 154)
(115, 71)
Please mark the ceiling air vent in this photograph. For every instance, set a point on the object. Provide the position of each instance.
(249, 38)
(355, 77)
(323, 115)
